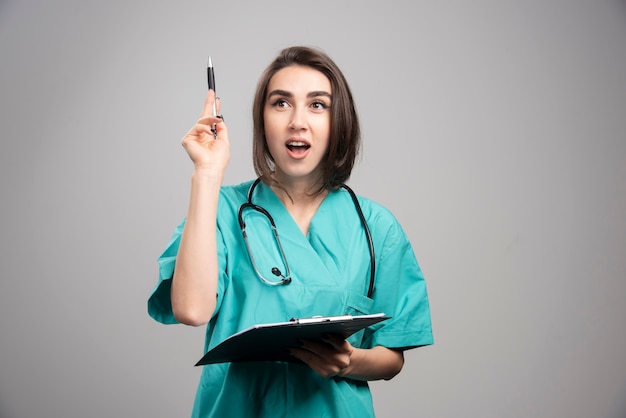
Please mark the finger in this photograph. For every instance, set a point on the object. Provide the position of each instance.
(207, 110)
(222, 129)
(337, 342)
(329, 353)
(307, 357)
(209, 120)
(197, 133)
(199, 129)
(329, 344)
(319, 365)
(318, 347)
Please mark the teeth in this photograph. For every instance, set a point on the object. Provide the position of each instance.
(297, 144)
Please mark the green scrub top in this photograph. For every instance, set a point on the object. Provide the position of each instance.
(330, 276)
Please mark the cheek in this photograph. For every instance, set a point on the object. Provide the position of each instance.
(270, 134)
(268, 127)
(266, 121)
(272, 123)
(324, 128)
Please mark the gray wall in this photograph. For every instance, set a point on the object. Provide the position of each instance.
(495, 131)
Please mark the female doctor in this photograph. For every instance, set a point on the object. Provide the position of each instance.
(306, 138)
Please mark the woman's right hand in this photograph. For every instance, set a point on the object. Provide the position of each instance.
(209, 154)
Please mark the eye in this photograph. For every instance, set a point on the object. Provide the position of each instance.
(319, 105)
(280, 103)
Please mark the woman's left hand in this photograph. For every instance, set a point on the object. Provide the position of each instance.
(328, 357)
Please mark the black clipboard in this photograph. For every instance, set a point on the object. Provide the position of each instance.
(267, 342)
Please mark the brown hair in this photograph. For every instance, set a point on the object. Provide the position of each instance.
(345, 133)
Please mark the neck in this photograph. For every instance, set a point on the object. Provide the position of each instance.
(299, 191)
(301, 201)
(299, 196)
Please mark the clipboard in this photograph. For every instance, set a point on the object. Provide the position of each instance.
(267, 342)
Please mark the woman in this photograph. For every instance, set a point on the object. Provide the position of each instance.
(306, 138)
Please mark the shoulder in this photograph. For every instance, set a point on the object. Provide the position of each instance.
(230, 199)
(384, 226)
(232, 196)
(375, 213)
(236, 191)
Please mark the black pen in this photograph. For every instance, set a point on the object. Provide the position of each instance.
(211, 79)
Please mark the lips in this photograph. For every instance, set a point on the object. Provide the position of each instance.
(298, 145)
(297, 148)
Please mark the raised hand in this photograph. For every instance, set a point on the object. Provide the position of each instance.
(207, 152)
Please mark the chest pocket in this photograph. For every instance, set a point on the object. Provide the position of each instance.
(358, 304)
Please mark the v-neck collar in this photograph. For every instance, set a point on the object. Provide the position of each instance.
(325, 246)
(265, 196)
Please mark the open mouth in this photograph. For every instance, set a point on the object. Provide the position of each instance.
(298, 146)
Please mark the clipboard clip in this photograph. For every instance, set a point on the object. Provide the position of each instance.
(320, 318)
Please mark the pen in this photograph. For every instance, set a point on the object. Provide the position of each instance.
(211, 79)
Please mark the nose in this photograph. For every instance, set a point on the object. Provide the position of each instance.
(298, 119)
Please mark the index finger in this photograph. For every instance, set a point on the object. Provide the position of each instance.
(336, 341)
(207, 110)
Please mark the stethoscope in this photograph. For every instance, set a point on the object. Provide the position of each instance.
(286, 278)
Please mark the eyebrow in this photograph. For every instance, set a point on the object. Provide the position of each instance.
(288, 94)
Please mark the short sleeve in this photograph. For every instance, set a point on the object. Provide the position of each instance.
(160, 303)
(400, 292)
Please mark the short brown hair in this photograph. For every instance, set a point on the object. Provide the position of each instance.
(345, 132)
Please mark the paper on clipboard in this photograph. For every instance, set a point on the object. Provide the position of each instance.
(267, 342)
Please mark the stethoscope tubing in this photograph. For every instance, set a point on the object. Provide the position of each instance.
(287, 278)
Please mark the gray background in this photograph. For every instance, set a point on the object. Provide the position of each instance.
(494, 130)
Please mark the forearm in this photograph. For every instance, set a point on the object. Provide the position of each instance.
(194, 285)
(373, 364)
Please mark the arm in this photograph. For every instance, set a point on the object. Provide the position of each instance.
(194, 285)
(334, 356)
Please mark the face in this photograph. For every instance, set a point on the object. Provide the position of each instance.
(297, 122)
